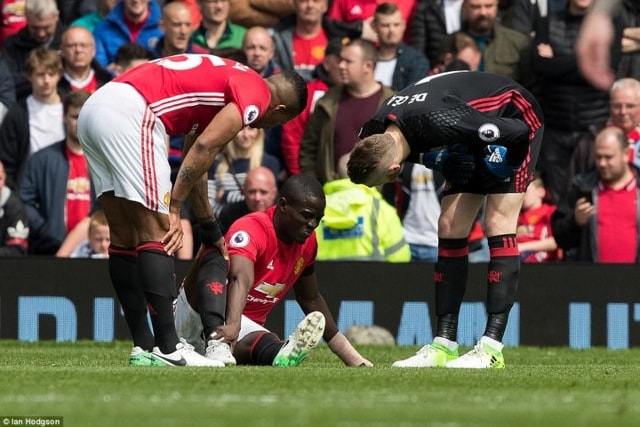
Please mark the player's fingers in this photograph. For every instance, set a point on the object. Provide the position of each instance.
(173, 242)
(222, 247)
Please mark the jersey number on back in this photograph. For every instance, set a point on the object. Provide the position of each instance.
(189, 62)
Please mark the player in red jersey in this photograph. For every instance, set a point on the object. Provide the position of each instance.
(123, 129)
(271, 252)
(484, 131)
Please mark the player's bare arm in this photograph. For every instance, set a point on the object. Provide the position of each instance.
(198, 159)
(241, 276)
(224, 126)
(203, 213)
(309, 298)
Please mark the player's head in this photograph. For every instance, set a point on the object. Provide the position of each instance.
(299, 209)
(373, 160)
(130, 55)
(288, 99)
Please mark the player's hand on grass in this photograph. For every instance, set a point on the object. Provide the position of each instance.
(365, 364)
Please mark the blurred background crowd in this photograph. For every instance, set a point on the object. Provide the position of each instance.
(354, 54)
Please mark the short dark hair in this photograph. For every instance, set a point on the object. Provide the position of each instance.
(129, 52)
(369, 51)
(386, 9)
(74, 99)
(232, 53)
(300, 187)
(457, 65)
(299, 88)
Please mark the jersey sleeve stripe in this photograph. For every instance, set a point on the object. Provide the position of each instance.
(166, 110)
(188, 97)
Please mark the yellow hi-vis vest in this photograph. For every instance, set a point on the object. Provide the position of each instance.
(358, 224)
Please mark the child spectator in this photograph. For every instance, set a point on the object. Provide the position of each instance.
(98, 240)
(534, 237)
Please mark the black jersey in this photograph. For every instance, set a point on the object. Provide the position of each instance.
(473, 108)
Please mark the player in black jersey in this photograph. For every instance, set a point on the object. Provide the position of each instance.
(483, 133)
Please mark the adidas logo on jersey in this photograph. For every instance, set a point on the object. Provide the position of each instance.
(495, 156)
(270, 265)
(356, 10)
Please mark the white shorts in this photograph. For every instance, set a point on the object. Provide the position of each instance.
(125, 146)
(189, 324)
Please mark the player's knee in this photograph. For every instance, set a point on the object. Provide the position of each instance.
(213, 257)
(257, 348)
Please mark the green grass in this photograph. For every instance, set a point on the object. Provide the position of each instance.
(89, 384)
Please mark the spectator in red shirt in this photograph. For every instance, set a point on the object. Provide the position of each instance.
(598, 221)
(12, 18)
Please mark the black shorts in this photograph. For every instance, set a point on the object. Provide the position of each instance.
(479, 184)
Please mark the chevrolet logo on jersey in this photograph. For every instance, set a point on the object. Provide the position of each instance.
(269, 289)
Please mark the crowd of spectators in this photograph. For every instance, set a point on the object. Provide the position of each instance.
(353, 55)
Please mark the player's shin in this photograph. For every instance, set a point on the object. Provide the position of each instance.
(157, 274)
(264, 349)
(450, 279)
(502, 283)
(123, 271)
(212, 290)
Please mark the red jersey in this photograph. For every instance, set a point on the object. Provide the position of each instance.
(187, 91)
(293, 130)
(535, 224)
(13, 17)
(309, 52)
(78, 204)
(90, 84)
(277, 265)
(355, 10)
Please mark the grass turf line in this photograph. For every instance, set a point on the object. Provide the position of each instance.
(89, 384)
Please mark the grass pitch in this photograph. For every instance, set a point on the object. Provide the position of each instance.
(90, 384)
